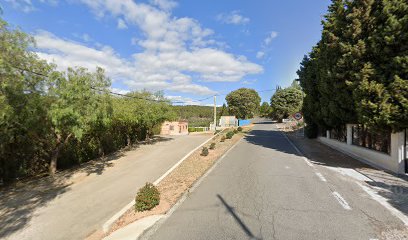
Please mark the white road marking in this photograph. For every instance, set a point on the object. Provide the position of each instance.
(385, 203)
(308, 162)
(341, 200)
(108, 224)
(321, 177)
(351, 173)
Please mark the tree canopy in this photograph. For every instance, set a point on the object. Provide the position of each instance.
(358, 72)
(53, 119)
(286, 102)
(243, 103)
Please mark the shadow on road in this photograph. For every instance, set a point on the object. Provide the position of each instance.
(231, 211)
(394, 188)
(19, 201)
(272, 139)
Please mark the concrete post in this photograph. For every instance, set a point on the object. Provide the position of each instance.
(397, 151)
(349, 134)
(328, 134)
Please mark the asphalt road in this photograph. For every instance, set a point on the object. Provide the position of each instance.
(83, 207)
(263, 189)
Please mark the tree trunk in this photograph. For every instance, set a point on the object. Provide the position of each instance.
(129, 142)
(55, 153)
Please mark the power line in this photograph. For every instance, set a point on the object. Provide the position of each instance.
(141, 98)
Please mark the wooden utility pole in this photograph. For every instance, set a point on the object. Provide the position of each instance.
(215, 113)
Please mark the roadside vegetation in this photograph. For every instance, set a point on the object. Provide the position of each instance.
(147, 198)
(243, 103)
(286, 102)
(51, 119)
(358, 72)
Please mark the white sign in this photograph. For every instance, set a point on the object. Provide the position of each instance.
(286, 120)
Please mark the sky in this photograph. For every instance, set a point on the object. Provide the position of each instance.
(189, 49)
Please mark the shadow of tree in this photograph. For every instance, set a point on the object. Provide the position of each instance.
(270, 139)
(19, 203)
(20, 200)
(393, 187)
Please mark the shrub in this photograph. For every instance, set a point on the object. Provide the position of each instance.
(212, 146)
(222, 139)
(217, 131)
(230, 134)
(204, 151)
(239, 129)
(235, 131)
(147, 198)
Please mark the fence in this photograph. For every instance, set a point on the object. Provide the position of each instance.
(381, 149)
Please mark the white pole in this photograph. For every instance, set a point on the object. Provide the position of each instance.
(215, 113)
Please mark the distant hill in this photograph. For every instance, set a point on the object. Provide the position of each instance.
(197, 116)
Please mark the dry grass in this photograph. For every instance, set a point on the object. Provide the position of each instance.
(181, 179)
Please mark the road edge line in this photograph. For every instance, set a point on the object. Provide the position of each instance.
(108, 224)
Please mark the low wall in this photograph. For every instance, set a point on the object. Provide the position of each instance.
(371, 157)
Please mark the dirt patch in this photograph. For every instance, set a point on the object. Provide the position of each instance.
(181, 179)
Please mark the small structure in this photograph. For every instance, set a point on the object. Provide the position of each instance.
(174, 128)
(228, 121)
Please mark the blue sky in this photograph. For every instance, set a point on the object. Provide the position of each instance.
(188, 49)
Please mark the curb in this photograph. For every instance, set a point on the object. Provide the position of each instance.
(108, 224)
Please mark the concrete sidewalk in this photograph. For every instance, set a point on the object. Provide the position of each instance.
(79, 202)
(393, 188)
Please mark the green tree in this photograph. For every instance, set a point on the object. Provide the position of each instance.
(23, 103)
(286, 102)
(75, 106)
(243, 103)
(265, 109)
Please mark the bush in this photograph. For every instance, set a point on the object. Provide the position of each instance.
(229, 135)
(217, 131)
(222, 139)
(239, 129)
(212, 146)
(147, 198)
(204, 151)
(235, 131)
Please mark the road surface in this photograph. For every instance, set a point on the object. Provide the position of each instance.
(75, 211)
(264, 189)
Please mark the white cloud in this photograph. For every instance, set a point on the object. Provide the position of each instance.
(260, 54)
(119, 91)
(177, 52)
(28, 6)
(233, 17)
(121, 24)
(270, 37)
(166, 5)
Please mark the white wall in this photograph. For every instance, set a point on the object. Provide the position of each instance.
(393, 162)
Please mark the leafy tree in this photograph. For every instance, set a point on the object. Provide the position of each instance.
(23, 106)
(357, 73)
(286, 102)
(265, 109)
(75, 106)
(243, 103)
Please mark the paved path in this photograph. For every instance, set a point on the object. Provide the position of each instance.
(263, 189)
(56, 211)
